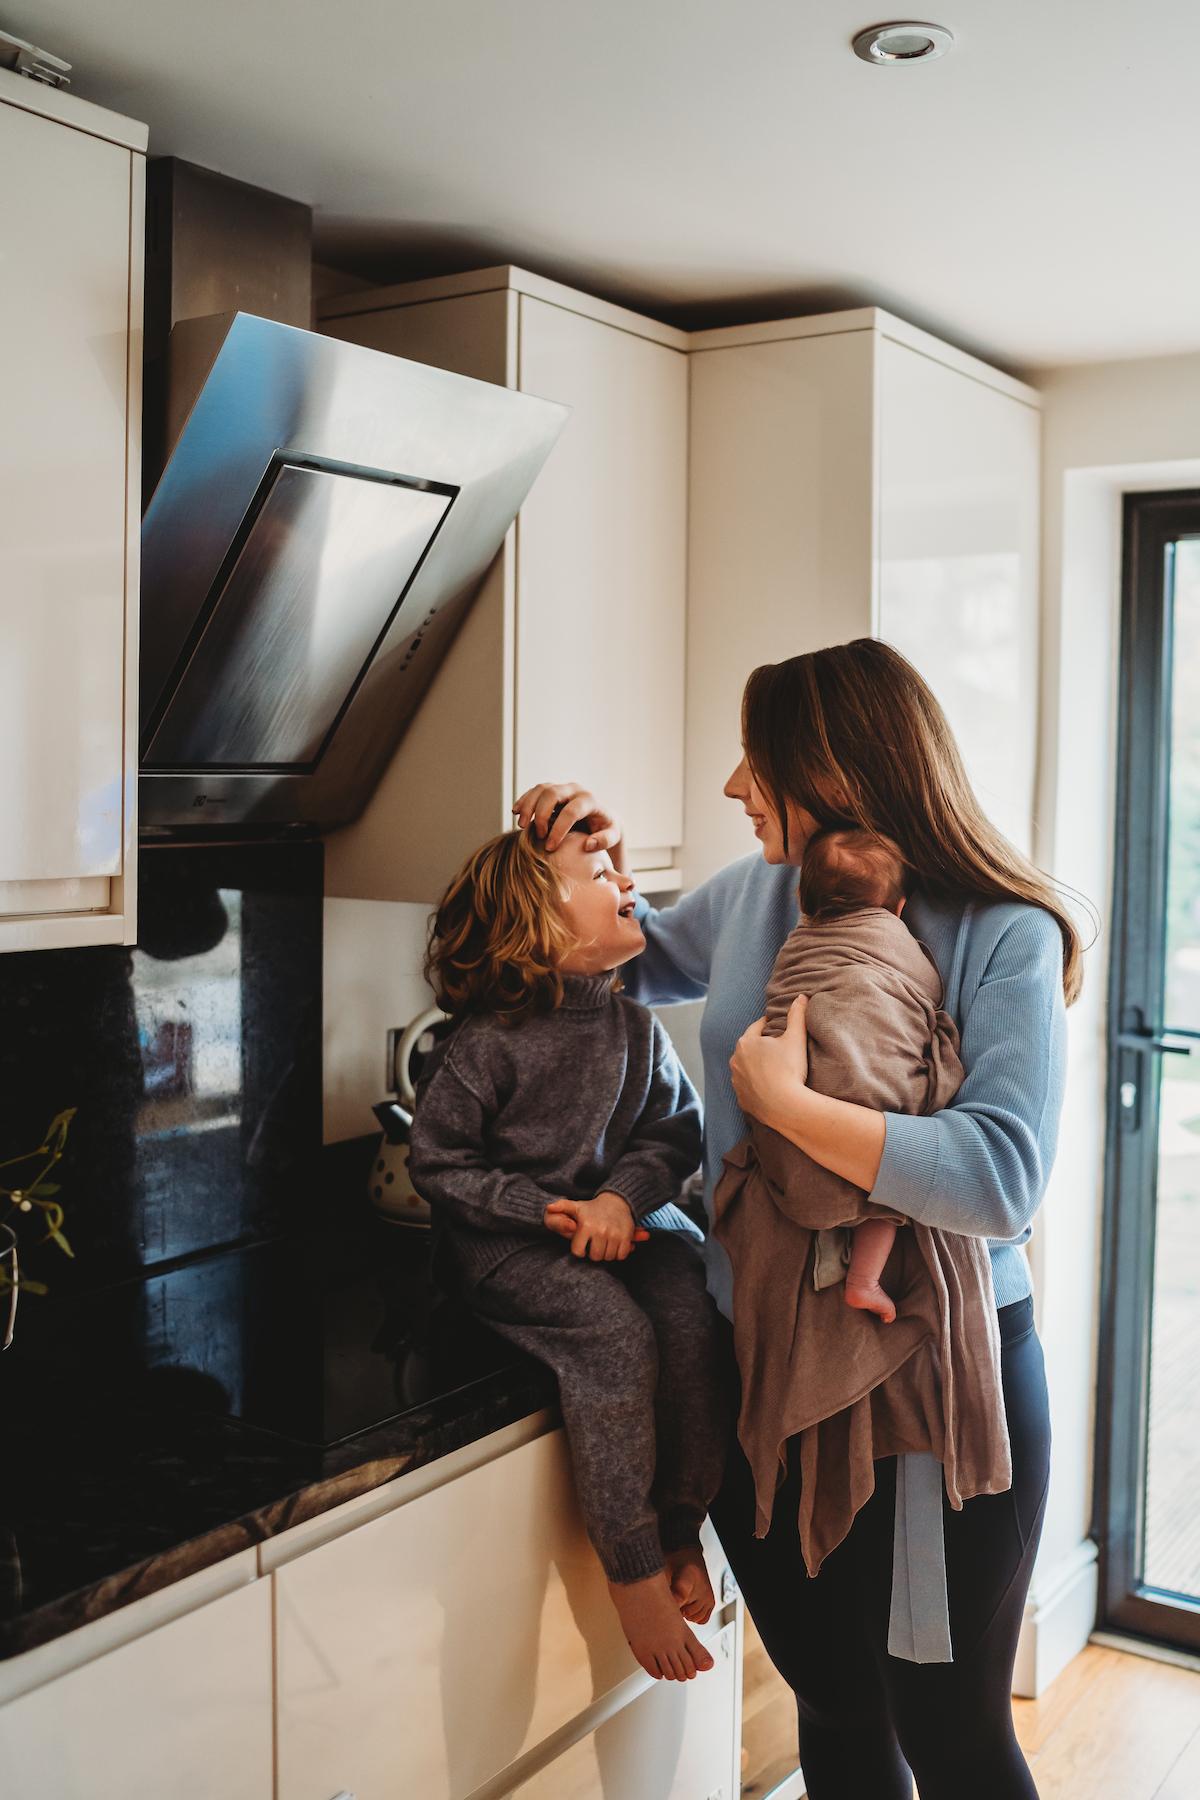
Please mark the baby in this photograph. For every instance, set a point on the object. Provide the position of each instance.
(844, 873)
(850, 1390)
(552, 1125)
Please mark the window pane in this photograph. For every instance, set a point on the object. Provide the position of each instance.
(1172, 1547)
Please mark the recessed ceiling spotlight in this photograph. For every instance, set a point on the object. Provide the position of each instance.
(903, 41)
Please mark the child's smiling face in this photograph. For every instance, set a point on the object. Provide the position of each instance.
(598, 907)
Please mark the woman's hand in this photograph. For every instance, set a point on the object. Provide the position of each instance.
(770, 1073)
(537, 804)
(770, 1078)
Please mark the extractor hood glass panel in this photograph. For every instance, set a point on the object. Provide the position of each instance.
(318, 578)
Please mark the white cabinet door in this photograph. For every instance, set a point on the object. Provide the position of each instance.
(424, 1651)
(66, 213)
(677, 1741)
(780, 556)
(958, 589)
(181, 1714)
(601, 551)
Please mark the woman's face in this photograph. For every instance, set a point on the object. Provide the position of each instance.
(801, 824)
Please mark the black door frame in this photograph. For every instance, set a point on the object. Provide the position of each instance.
(1151, 523)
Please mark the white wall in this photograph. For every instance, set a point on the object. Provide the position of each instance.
(1108, 429)
(374, 950)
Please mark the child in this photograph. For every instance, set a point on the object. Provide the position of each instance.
(550, 1124)
(846, 873)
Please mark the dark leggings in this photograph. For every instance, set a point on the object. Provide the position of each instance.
(869, 1722)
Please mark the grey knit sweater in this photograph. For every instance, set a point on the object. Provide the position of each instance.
(584, 1100)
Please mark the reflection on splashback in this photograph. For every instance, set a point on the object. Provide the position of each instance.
(189, 1019)
(193, 1062)
(226, 988)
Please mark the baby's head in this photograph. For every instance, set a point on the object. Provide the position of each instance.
(845, 871)
(515, 920)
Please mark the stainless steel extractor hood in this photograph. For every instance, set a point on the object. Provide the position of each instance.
(325, 518)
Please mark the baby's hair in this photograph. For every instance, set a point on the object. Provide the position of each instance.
(845, 870)
(499, 933)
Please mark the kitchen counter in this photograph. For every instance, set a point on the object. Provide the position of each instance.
(105, 1498)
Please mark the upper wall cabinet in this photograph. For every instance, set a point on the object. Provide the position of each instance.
(71, 315)
(571, 664)
(852, 476)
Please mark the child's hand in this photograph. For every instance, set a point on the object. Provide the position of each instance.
(602, 1229)
(559, 1217)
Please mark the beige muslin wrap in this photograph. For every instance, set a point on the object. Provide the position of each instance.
(852, 1388)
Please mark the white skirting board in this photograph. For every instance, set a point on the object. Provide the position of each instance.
(1131, 1646)
(1060, 1614)
(790, 1788)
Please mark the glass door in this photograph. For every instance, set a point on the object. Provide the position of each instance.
(1148, 1464)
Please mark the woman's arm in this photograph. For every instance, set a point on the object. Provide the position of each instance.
(769, 1076)
(980, 1167)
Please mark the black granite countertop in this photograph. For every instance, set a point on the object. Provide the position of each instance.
(112, 1489)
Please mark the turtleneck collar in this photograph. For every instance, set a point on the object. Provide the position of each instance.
(586, 993)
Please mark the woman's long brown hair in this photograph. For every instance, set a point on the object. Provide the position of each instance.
(854, 735)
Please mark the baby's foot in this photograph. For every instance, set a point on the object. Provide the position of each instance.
(655, 1629)
(868, 1296)
(688, 1575)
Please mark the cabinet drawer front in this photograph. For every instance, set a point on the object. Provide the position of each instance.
(64, 313)
(424, 1651)
(181, 1714)
(674, 1742)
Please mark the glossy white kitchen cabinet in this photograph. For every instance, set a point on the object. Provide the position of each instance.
(958, 563)
(571, 665)
(183, 1713)
(852, 476)
(71, 211)
(430, 1649)
(676, 1741)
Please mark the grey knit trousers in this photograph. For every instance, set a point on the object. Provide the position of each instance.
(634, 1346)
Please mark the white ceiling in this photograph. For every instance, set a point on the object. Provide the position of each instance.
(1032, 195)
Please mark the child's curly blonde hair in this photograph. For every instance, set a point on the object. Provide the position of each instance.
(499, 933)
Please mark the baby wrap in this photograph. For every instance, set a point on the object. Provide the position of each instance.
(852, 1388)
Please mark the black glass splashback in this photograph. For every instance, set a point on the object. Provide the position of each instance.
(194, 1064)
(225, 1264)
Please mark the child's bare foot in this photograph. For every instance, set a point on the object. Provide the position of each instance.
(688, 1575)
(656, 1631)
(868, 1296)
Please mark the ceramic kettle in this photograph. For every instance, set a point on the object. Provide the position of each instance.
(389, 1188)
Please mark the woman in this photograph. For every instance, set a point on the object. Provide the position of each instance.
(852, 735)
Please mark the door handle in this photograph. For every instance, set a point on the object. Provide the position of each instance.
(1138, 1040)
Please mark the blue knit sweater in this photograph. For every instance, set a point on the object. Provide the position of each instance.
(981, 1166)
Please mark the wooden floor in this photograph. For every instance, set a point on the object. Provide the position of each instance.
(768, 1721)
(1112, 1727)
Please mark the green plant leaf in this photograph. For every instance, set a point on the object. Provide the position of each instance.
(45, 1187)
(62, 1243)
(22, 1282)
